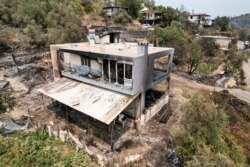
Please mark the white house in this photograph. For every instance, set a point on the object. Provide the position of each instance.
(150, 16)
(202, 19)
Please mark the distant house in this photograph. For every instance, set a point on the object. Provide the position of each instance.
(150, 17)
(110, 10)
(202, 19)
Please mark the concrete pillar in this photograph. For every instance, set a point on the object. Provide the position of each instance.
(139, 107)
(55, 62)
(102, 70)
(109, 71)
(124, 71)
(143, 96)
(116, 72)
(138, 110)
(167, 86)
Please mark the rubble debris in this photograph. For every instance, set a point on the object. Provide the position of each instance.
(14, 58)
(132, 158)
(226, 82)
(152, 96)
(2, 124)
(11, 126)
(3, 84)
(127, 144)
(63, 135)
(173, 159)
(230, 83)
(167, 112)
(201, 78)
(17, 85)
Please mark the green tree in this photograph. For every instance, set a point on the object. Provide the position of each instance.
(209, 47)
(194, 57)
(222, 23)
(234, 60)
(190, 28)
(45, 22)
(174, 37)
(168, 14)
(149, 3)
(64, 24)
(87, 6)
(133, 7)
(30, 11)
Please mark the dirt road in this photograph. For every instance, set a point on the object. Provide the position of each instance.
(184, 82)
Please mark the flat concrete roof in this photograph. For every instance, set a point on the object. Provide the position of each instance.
(120, 49)
(100, 104)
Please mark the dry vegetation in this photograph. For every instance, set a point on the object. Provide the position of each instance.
(210, 129)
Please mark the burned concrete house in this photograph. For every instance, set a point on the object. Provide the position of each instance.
(104, 88)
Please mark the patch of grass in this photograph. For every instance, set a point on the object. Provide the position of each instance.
(39, 149)
(206, 68)
(210, 65)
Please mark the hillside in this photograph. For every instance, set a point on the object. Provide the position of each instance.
(205, 122)
(241, 21)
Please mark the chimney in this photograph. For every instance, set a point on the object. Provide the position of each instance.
(192, 11)
(142, 49)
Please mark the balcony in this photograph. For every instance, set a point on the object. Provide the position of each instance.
(95, 77)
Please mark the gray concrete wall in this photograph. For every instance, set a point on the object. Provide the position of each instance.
(143, 67)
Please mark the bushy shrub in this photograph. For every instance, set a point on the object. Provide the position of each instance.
(33, 34)
(209, 47)
(36, 18)
(4, 38)
(122, 17)
(234, 60)
(205, 136)
(210, 64)
(7, 102)
(133, 7)
(38, 149)
(7, 8)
